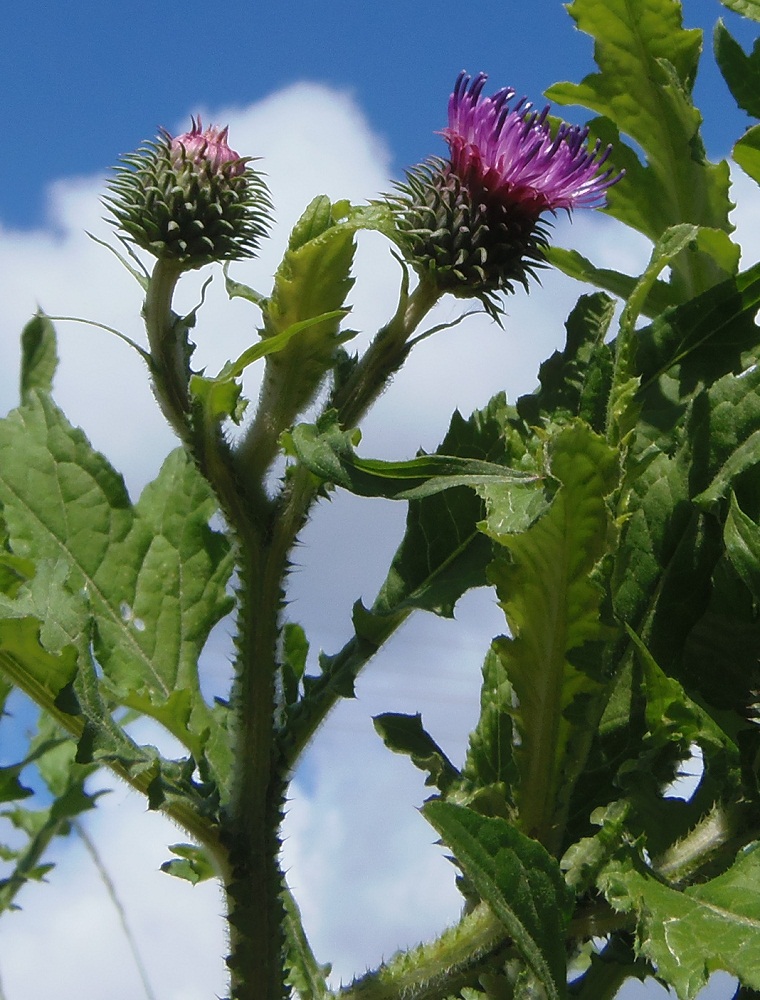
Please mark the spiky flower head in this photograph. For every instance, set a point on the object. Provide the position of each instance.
(473, 222)
(190, 198)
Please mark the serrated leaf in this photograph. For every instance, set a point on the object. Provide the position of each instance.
(405, 734)
(443, 554)
(690, 934)
(155, 570)
(648, 64)
(552, 606)
(696, 432)
(722, 316)
(741, 72)
(312, 281)
(39, 356)
(490, 754)
(518, 879)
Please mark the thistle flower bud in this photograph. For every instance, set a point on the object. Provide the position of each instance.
(472, 223)
(191, 199)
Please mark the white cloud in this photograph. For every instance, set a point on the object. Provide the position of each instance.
(359, 855)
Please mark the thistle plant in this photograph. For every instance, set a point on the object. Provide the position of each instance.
(614, 511)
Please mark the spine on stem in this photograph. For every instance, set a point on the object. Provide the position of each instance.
(252, 821)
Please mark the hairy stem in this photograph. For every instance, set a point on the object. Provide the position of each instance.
(168, 347)
(438, 969)
(253, 817)
(385, 355)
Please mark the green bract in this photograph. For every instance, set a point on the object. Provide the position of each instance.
(184, 206)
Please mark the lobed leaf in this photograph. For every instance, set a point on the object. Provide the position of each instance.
(543, 580)
(442, 555)
(576, 381)
(690, 934)
(647, 66)
(405, 734)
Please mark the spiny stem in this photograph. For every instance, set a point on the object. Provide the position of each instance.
(385, 355)
(253, 817)
(438, 969)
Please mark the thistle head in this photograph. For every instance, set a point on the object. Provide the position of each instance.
(190, 198)
(473, 222)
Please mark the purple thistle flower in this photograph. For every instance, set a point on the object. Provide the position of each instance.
(471, 224)
(509, 154)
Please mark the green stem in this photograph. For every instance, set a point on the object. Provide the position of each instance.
(198, 828)
(250, 820)
(253, 817)
(168, 347)
(385, 355)
(439, 969)
(682, 860)
(338, 675)
(608, 971)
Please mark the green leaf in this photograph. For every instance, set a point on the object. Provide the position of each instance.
(674, 723)
(490, 762)
(741, 72)
(54, 759)
(312, 281)
(404, 734)
(39, 356)
(544, 584)
(327, 451)
(238, 290)
(576, 381)
(519, 880)
(295, 651)
(648, 64)
(722, 317)
(742, 537)
(443, 554)
(305, 974)
(24, 661)
(747, 8)
(575, 265)
(154, 575)
(747, 153)
(192, 864)
(672, 242)
(690, 934)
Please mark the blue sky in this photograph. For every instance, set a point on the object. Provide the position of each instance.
(85, 81)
